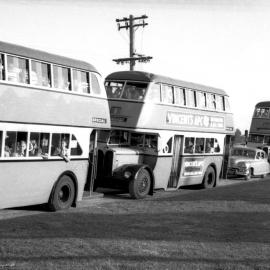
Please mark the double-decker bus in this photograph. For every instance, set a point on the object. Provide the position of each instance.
(166, 133)
(50, 109)
(259, 133)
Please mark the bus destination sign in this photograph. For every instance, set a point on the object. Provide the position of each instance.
(194, 120)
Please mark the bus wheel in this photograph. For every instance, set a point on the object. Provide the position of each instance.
(63, 194)
(209, 178)
(140, 186)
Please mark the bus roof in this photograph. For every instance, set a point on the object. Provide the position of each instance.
(44, 56)
(150, 77)
(263, 104)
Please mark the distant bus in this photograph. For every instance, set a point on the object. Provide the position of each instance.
(50, 109)
(166, 133)
(259, 133)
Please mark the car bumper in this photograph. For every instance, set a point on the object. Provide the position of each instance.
(238, 171)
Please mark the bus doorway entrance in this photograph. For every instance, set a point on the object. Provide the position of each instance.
(176, 162)
(92, 170)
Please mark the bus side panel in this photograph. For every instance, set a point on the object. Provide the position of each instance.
(193, 169)
(30, 182)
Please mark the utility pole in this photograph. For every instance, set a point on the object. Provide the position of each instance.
(130, 23)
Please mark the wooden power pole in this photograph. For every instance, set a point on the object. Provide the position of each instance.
(130, 23)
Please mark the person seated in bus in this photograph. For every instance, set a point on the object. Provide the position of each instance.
(44, 147)
(189, 145)
(34, 149)
(62, 150)
(7, 151)
(209, 148)
(21, 150)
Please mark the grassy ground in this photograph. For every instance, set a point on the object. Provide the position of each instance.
(223, 228)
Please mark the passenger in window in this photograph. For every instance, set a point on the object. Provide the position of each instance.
(21, 150)
(209, 148)
(62, 149)
(34, 149)
(189, 145)
(7, 151)
(44, 146)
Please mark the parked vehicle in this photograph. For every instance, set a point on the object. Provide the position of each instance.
(248, 162)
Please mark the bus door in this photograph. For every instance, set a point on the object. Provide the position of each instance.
(92, 171)
(227, 146)
(176, 162)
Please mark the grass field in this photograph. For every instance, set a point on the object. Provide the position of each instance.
(224, 228)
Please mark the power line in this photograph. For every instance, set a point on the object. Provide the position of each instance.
(131, 24)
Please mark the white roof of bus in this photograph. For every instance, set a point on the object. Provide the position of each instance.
(44, 56)
(150, 77)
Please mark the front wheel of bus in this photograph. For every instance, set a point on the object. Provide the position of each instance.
(139, 187)
(63, 194)
(209, 178)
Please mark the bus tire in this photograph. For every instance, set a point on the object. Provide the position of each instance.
(140, 186)
(63, 194)
(209, 178)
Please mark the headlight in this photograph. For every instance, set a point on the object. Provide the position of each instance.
(243, 165)
(127, 174)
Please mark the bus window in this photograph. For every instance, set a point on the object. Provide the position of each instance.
(211, 101)
(134, 91)
(199, 145)
(44, 143)
(34, 143)
(227, 105)
(191, 98)
(61, 78)
(219, 103)
(265, 112)
(167, 93)
(40, 74)
(150, 141)
(114, 89)
(189, 145)
(2, 67)
(60, 144)
(103, 136)
(179, 96)
(15, 144)
(136, 139)
(201, 100)
(1, 140)
(119, 137)
(80, 81)
(75, 148)
(17, 69)
(95, 84)
(154, 92)
(209, 145)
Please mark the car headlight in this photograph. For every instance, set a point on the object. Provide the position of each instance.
(127, 174)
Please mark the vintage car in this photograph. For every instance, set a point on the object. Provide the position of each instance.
(248, 162)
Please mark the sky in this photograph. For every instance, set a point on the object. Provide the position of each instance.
(219, 43)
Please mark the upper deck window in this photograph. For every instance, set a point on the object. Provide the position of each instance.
(17, 69)
(80, 81)
(227, 104)
(261, 112)
(134, 90)
(167, 93)
(219, 103)
(114, 89)
(154, 92)
(179, 96)
(191, 98)
(211, 101)
(40, 74)
(201, 99)
(95, 84)
(61, 78)
(2, 67)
